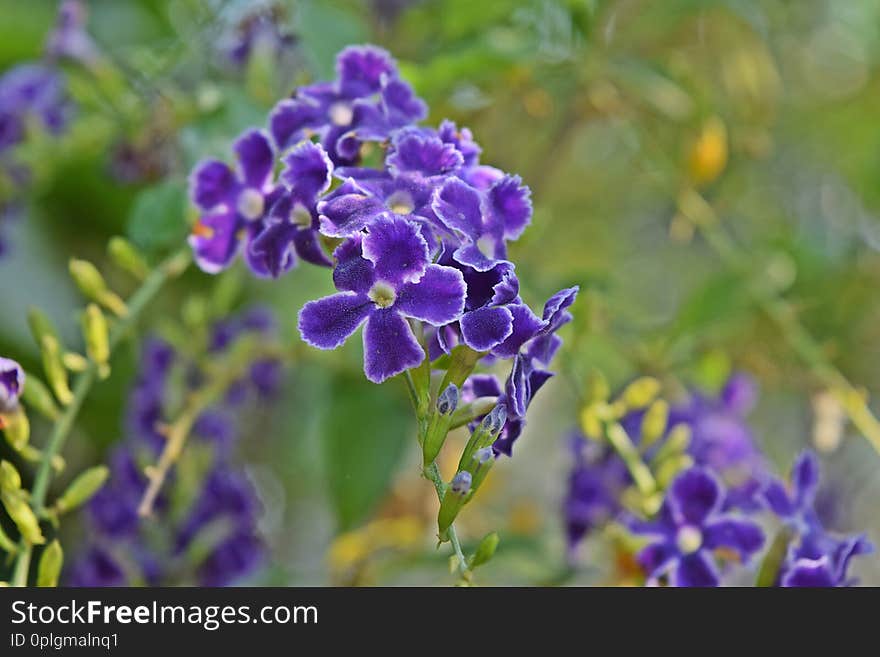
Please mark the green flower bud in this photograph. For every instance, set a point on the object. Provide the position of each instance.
(23, 517)
(82, 488)
(440, 423)
(97, 335)
(40, 325)
(485, 550)
(654, 422)
(640, 392)
(37, 396)
(480, 464)
(10, 480)
(75, 362)
(50, 565)
(54, 369)
(453, 500)
(16, 428)
(126, 257)
(676, 443)
(91, 283)
(6, 543)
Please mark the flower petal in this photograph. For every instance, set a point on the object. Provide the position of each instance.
(360, 69)
(401, 105)
(307, 171)
(776, 497)
(211, 183)
(813, 573)
(327, 323)
(526, 325)
(216, 240)
(511, 206)
(438, 297)
(11, 383)
(348, 209)
(352, 271)
(271, 251)
(696, 569)
(555, 314)
(744, 536)
(414, 152)
(805, 479)
(457, 205)
(397, 249)
(739, 394)
(389, 345)
(256, 158)
(485, 328)
(291, 118)
(656, 559)
(695, 495)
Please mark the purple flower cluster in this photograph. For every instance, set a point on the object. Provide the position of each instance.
(708, 507)
(262, 27)
(222, 510)
(33, 94)
(420, 234)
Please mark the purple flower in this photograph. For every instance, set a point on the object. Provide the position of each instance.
(262, 27)
(594, 487)
(688, 527)
(97, 567)
(11, 384)
(234, 203)
(814, 557)
(236, 556)
(31, 92)
(291, 229)
(69, 39)
(365, 103)
(484, 221)
(385, 277)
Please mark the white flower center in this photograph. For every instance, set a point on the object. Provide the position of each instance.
(401, 202)
(341, 114)
(382, 294)
(250, 204)
(300, 216)
(486, 245)
(689, 539)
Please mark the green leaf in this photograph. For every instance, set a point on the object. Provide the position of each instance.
(364, 434)
(157, 220)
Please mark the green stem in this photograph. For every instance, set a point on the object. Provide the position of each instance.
(170, 268)
(630, 455)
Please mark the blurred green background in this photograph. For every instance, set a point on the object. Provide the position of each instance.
(603, 107)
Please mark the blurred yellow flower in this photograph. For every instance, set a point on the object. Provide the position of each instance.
(708, 154)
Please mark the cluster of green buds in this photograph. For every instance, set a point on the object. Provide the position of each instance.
(53, 397)
(653, 457)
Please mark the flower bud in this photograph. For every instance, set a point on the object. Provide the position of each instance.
(447, 402)
(480, 464)
(493, 423)
(55, 370)
(6, 543)
(82, 488)
(708, 154)
(16, 428)
(37, 396)
(90, 282)
(453, 500)
(654, 422)
(50, 565)
(126, 257)
(10, 480)
(670, 467)
(640, 392)
(97, 335)
(75, 362)
(23, 517)
(676, 443)
(40, 325)
(485, 550)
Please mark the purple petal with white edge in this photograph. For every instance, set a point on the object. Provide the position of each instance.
(485, 328)
(544, 347)
(656, 559)
(517, 388)
(272, 250)
(256, 158)
(307, 170)
(397, 249)
(507, 288)
(328, 322)
(695, 570)
(211, 183)
(526, 325)
(812, 573)
(291, 118)
(348, 209)
(215, 241)
(352, 272)
(471, 256)
(401, 105)
(389, 345)
(777, 498)
(414, 152)
(511, 205)
(739, 394)
(484, 385)
(11, 383)
(554, 309)
(744, 536)
(805, 479)
(438, 297)
(848, 548)
(537, 379)
(360, 70)
(482, 177)
(457, 205)
(346, 145)
(463, 140)
(694, 496)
